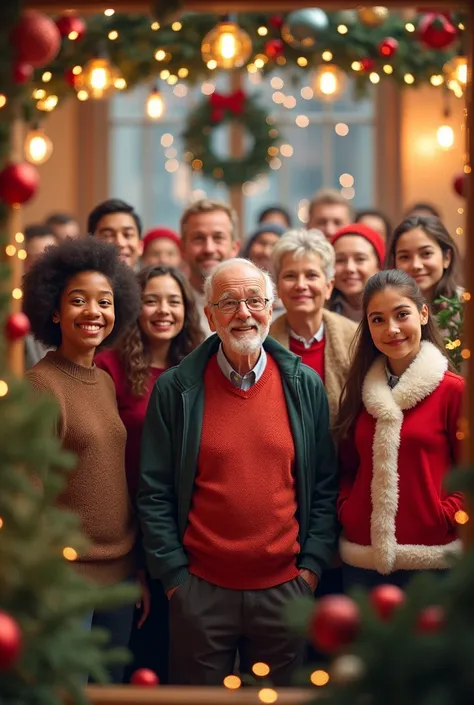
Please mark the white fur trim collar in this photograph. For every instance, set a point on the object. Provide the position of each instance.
(386, 405)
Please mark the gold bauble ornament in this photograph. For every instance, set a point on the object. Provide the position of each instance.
(372, 16)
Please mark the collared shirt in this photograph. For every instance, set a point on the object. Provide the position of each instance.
(317, 337)
(244, 382)
(391, 379)
(201, 302)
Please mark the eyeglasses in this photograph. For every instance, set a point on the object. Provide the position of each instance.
(253, 303)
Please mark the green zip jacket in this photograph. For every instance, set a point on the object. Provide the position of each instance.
(170, 448)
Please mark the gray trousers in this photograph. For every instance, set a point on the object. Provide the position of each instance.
(210, 625)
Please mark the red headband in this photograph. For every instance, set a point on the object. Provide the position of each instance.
(158, 233)
(364, 231)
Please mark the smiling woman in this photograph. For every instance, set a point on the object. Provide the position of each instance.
(77, 295)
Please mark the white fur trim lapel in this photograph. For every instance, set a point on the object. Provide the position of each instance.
(386, 406)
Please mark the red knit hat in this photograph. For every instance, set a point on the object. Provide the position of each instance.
(364, 231)
(158, 233)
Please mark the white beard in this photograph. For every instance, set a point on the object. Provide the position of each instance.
(248, 344)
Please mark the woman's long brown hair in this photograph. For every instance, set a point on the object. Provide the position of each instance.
(435, 230)
(363, 351)
(133, 347)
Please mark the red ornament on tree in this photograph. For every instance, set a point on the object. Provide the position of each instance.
(36, 39)
(459, 184)
(144, 676)
(335, 623)
(367, 64)
(435, 31)
(274, 48)
(431, 620)
(276, 22)
(385, 599)
(388, 47)
(17, 326)
(22, 73)
(10, 641)
(71, 26)
(18, 183)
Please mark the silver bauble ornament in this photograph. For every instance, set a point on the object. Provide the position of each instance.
(302, 29)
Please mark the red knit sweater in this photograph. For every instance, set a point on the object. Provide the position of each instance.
(312, 356)
(242, 532)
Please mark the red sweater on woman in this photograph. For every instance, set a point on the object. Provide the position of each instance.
(394, 509)
(242, 531)
(132, 410)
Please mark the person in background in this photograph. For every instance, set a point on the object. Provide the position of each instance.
(258, 248)
(233, 545)
(360, 253)
(37, 239)
(161, 247)
(328, 211)
(276, 215)
(376, 220)
(304, 262)
(209, 235)
(117, 222)
(423, 248)
(397, 432)
(77, 295)
(166, 330)
(63, 225)
(422, 208)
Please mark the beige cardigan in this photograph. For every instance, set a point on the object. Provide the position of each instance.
(339, 333)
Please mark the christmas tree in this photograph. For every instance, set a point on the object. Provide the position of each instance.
(45, 653)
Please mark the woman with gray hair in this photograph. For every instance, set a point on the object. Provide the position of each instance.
(304, 263)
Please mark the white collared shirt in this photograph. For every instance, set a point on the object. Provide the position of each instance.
(317, 337)
(244, 382)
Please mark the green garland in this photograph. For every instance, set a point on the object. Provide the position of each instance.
(133, 51)
(211, 113)
(450, 319)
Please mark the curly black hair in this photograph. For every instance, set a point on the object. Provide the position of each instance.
(47, 278)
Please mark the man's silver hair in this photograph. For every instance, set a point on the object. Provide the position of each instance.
(301, 243)
(222, 266)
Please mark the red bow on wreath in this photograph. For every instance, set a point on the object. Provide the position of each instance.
(234, 103)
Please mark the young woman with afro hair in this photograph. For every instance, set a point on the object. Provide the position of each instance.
(77, 295)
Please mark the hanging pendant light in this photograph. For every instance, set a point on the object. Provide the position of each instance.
(226, 46)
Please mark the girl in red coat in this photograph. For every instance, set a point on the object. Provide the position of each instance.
(396, 429)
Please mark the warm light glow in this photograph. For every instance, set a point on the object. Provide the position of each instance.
(48, 104)
(83, 95)
(3, 100)
(356, 66)
(120, 84)
(319, 678)
(466, 296)
(172, 80)
(459, 231)
(160, 55)
(388, 69)
(307, 92)
(70, 554)
(461, 517)
(172, 165)
(465, 354)
(19, 237)
(22, 254)
(261, 669)
(155, 106)
(327, 81)
(302, 120)
(232, 682)
(456, 70)
(47, 76)
(374, 77)
(39, 94)
(10, 250)
(98, 78)
(277, 83)
(278, 97)
(1, 520)
(342, 29)
(346, 180)
(228, 45)
(167, 139)
(326, 56)
(302, 61)
(341, 129)
(176, 26)
(410, 27)
(77, 70)
(262, 31)
(109, 13)
(436, 79)
(38, 147)
(467, 169)
(267, 695)
(17, 293)
(155, 26)
(207, 88)
(286, 150)
(289, 102)
(460, 211)
(259, 62)
(348, 193)
(3, 393)
(196, 164)
(409, 78)
(212, 64)
(183, 72)
(445, 136)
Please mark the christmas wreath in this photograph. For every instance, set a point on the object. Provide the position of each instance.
(215, 110)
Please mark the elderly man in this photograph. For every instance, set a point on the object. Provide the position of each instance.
(238, 488)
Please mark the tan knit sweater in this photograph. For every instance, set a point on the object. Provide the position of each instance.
(90, 427)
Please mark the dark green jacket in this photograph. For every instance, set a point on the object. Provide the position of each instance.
(170, 448)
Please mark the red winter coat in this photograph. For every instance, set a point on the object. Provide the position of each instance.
(394, 510)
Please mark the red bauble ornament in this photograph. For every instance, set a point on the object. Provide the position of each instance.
(35, 39)
(459, 184)
(335, 623)
(431, 620)
(22, 73)
(17, 326)
(70, 78)
(276, 21)
(18, 183)
(385, 599)
(144, 676)
(435, 31)
(388, 47)
(367, 65)
(10, 641)
(71, 26)
(274, 48)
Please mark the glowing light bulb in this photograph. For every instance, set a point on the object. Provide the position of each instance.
(98, 78)
(327, 81)
(38, 147)
(445, 136)
(155, 106)
(227, 45)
